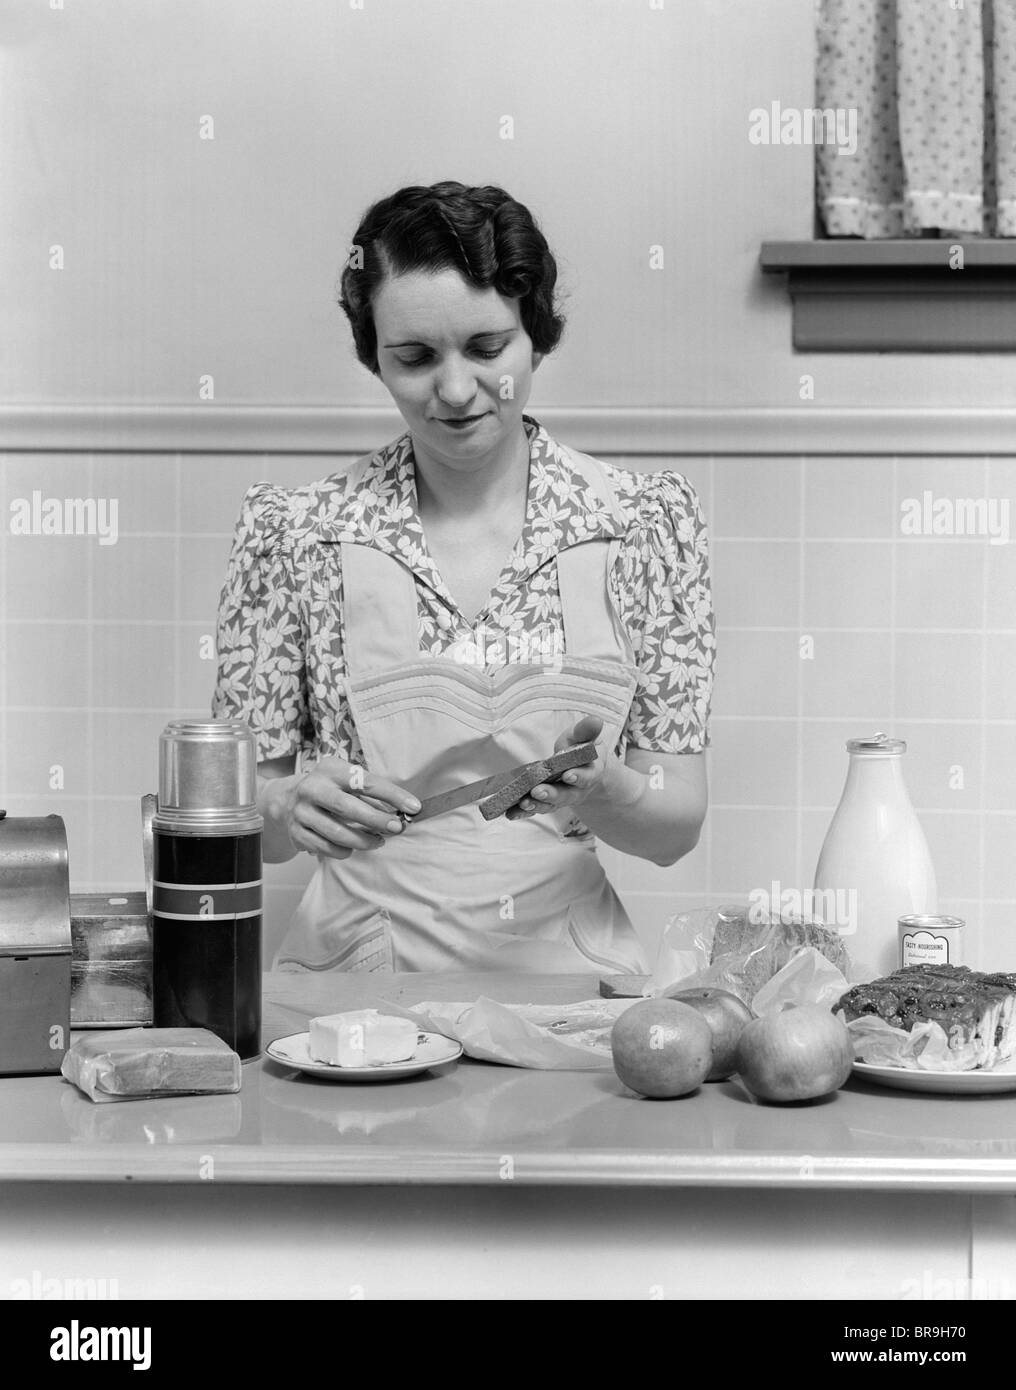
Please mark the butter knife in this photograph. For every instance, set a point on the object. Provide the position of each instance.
(502, 790)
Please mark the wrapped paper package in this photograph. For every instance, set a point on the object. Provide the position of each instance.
(146, 1062)
(546, 1037)
(727, 948)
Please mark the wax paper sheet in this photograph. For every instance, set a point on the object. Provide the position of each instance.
(546, 1037)
(924, 1048)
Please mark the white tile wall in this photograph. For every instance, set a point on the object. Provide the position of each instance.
(99, 647)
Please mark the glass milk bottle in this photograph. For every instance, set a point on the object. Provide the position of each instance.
(874, 866)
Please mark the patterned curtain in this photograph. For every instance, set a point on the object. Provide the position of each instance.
(933, 83)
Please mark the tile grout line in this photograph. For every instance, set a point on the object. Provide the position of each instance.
(982, 838)
(711, 475)
(853, 540)
(177, 578)
(893, 598)
(848, 716)
(799, 720)
(4, 459)
(90, 682)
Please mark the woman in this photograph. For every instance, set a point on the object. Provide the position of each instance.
(471, 597)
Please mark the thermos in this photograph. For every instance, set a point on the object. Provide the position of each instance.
(875, 859)
(206, 890)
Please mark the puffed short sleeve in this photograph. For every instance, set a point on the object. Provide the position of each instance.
(260, 631)
(666, 603)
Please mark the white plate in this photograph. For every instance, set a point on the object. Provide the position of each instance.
(953, 1083)
(431, 1051)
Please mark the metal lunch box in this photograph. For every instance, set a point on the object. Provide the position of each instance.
(35, 944)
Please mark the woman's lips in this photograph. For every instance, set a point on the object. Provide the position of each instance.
(463, 423)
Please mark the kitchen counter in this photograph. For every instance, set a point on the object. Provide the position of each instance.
(462, 1122)
(830, 1171)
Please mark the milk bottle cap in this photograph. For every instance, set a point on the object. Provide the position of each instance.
(878, 743)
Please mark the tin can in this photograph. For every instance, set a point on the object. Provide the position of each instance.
(929, 940)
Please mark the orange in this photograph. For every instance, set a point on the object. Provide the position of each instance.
(799, 1054)
(661, 1048)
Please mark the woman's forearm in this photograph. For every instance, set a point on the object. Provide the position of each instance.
(272, 797)
(638, 815)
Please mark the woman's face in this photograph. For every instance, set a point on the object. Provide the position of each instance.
(457, 361)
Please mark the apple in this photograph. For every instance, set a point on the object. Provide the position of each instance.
(661, 1048)
(799, 1054)
(727, 1016)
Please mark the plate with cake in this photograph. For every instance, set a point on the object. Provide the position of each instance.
(363, 1045)
(940, 1028)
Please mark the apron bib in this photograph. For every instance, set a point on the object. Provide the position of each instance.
(458, 892)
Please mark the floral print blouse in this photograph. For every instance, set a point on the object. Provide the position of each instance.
(280, 642)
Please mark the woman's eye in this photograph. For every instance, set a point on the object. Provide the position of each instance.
(487, 354)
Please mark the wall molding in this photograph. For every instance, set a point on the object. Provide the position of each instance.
(628, 431)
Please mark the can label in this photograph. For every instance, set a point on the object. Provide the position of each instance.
(930, 942)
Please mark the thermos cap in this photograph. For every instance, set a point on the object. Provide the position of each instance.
(208, 777)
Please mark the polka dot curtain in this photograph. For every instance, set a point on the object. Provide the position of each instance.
(933, 83)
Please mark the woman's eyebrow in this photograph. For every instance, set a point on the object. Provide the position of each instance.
(486, 333)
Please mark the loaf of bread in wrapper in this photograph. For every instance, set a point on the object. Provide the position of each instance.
(143, 1062)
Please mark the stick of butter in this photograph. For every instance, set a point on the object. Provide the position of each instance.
(362, 1038)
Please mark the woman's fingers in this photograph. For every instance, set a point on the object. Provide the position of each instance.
(333, 832)
(545, 797)
(316, 844)
(353, 810)
(587, 730)
(358, 800)
(360, 783)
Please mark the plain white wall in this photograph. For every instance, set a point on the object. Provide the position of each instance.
(186, 257)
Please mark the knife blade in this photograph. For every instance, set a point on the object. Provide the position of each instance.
(517, 781)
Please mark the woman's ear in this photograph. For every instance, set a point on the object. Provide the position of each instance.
(537, 359)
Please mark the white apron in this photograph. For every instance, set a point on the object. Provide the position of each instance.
(458, 892)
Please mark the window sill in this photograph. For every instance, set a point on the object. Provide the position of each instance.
(898, 296)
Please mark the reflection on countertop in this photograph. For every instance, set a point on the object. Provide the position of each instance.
(480, 1122)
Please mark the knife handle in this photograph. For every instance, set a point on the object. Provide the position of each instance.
(544, 770)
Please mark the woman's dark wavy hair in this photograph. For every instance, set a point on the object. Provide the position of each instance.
(486, 235)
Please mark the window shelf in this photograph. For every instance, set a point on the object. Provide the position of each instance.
(898, 296)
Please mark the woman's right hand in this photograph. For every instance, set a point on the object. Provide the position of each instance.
(338, 807)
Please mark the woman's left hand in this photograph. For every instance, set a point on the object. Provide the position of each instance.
(576, 784)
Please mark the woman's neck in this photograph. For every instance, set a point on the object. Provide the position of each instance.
(494, 485)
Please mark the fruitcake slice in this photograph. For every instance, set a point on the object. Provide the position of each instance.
(975, 1010)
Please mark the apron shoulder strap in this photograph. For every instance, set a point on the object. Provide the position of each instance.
(592, 627)
(596, 476)
(379, 610)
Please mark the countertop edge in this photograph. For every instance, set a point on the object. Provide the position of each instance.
(210, 1165)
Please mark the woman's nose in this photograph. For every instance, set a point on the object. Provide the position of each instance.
(456, 383)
